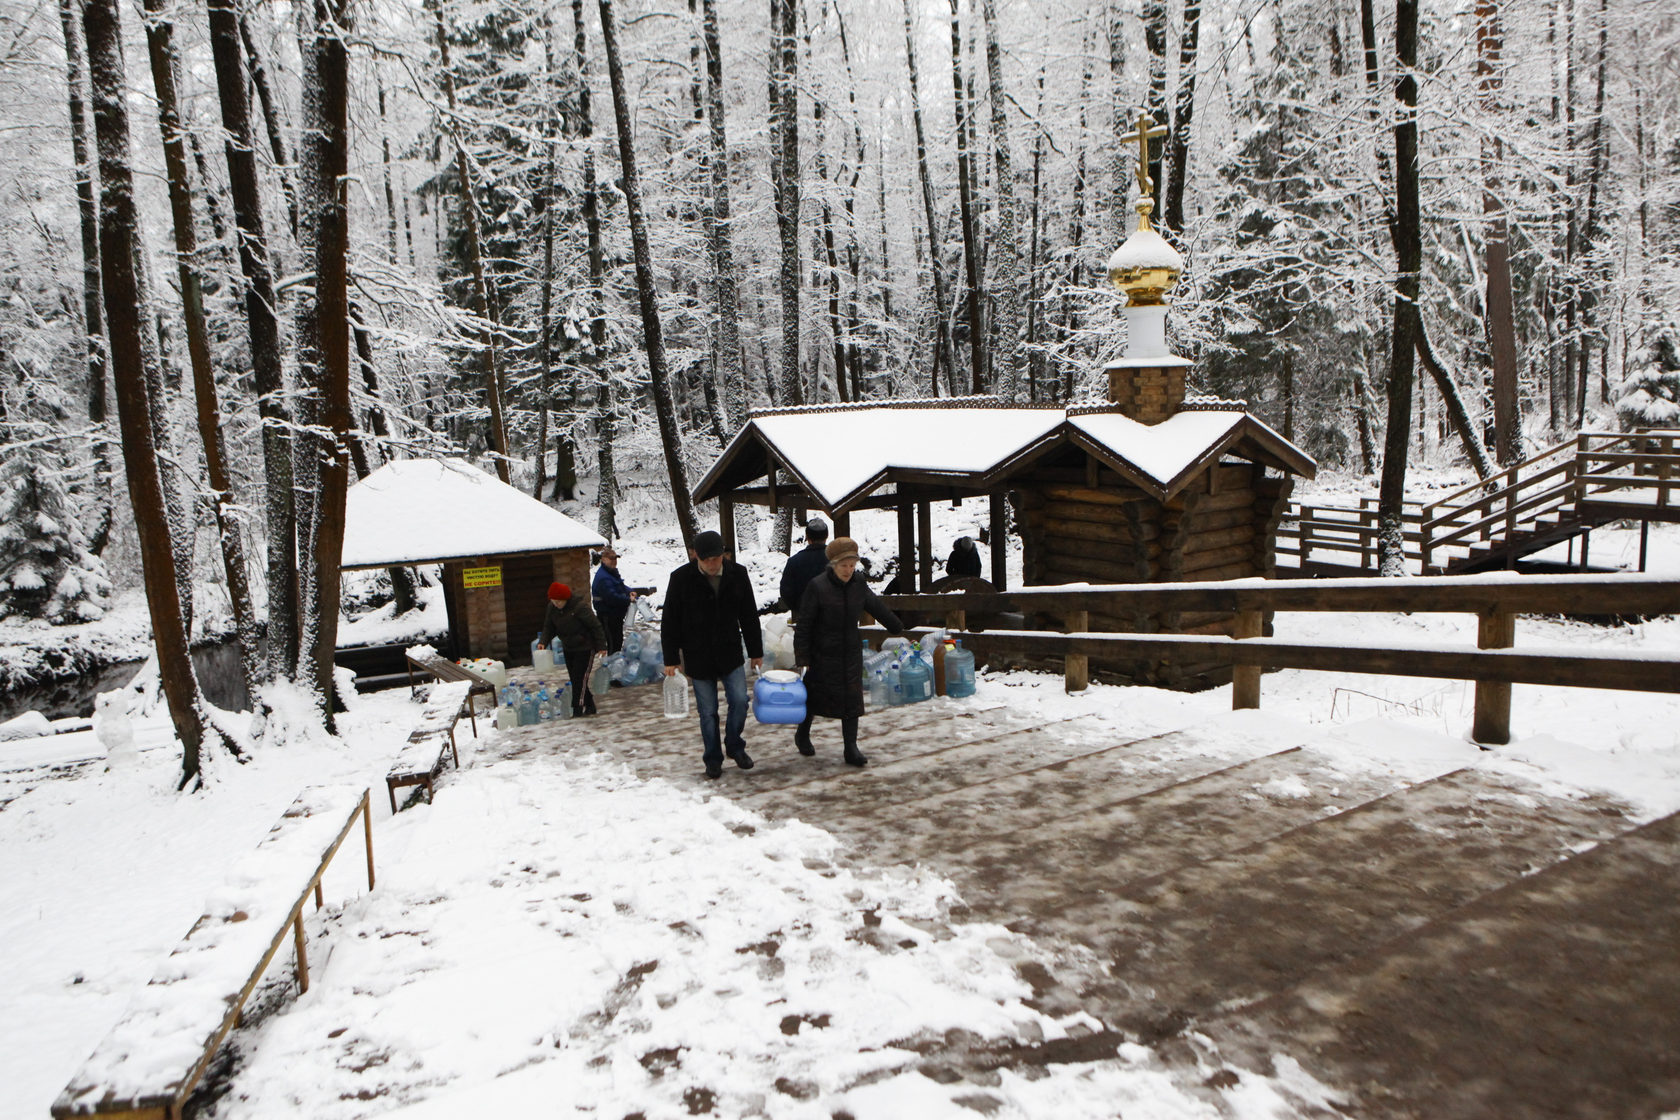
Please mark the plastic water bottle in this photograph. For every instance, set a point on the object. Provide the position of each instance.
(878, 695)
(866, 662)
(542, 660)
(527, 710)
(676, 696)
(563, 701)
(599, 680)
(916, 678)
(959, 671)
(633, 644)
(507, 715)
(895, 686)
(544, 711)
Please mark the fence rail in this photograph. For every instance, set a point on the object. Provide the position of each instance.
(1495, 600)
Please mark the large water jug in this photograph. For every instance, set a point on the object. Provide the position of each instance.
(507, 715)
(622, 669)
(542, 658)
(545, 710)
(527, 710)
(600, 680)
(878, 690)
(959, 671)
(779, 697)
(895, 645)
(915, 676)
(633, 644)
(563, 702)
(653, 651)
(676, 696)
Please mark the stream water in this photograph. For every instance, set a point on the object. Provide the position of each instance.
(217, 665)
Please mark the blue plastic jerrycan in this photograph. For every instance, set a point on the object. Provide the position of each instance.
(779, 697)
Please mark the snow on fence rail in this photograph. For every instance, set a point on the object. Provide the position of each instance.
(158, 1051)
(1496, 600)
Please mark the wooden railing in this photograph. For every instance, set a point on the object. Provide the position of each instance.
(1618, 472)
(1495, 600)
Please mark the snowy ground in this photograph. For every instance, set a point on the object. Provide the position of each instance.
(560, 935)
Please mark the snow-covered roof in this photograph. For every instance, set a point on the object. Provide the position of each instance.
(416, 511)
(840, 454)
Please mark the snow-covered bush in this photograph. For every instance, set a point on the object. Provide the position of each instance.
(46, 570)
(1650, 396)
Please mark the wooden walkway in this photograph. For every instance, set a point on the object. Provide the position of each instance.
(1438, 943)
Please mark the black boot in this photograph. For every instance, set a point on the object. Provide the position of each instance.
(854, 757)
(802, 738)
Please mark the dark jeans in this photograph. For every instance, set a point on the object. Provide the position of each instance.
(706, 700)
(577, 668)
(612, 621)
(848, 729)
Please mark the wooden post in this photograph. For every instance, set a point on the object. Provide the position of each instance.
(302, 959)
(1000, 551)
(1305, 531)
(842, 525)
(1245, 679)
(318, 899)
(1076, 667)
(726, 522)
(367, 829)
(956, 620)
(1494, 630)
(906, 547)
(924, 533)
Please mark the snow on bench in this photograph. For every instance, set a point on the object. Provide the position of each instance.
(428, 660)
(165, 1040)
(421, 761)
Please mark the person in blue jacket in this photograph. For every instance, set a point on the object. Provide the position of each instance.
(612, 598)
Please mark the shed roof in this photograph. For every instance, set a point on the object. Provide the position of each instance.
(841, 454)
(419, 511)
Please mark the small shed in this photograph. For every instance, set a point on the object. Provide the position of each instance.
(499, 548)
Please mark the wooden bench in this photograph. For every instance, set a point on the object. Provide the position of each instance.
(421, 761)
(151, 1060)
(446, 670)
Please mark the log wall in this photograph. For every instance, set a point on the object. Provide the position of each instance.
(1092, 526)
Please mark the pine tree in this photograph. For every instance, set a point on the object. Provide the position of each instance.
(46, 570)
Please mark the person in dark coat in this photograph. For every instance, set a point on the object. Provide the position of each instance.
(804, 565)
(826, 641)
(709, 613)
(580, 636)
(964, 559)
(612, 598)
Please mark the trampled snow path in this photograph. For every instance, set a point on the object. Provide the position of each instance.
(535, 942)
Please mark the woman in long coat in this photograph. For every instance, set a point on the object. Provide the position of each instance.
(827, 642)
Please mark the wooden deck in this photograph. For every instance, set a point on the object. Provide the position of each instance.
(1440, 942)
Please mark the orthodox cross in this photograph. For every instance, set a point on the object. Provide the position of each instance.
(1145, 131)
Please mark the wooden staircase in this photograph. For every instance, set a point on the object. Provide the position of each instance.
(1557, 495)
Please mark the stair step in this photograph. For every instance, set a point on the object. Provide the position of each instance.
(1557, 995)
(1248, 924)
(1066, 875)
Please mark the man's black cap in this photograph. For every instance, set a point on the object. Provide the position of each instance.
(708, 544)
(816, 529)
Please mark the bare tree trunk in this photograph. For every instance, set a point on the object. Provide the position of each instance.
(1007, 381)
(1361, 393)
(606, 498)
(1590, 231)
(1408, 252)
(545, 300)
(485, 293)
(1457, 415)
(271, 120)
(784, 111)
(263, 324)
(1499, 317)
(978, 380)
(647, 295)
(323, 334)
(1188, 44)
(943, 346)
(160, 43)
(133, 349)
(93, 316)
(385, 169)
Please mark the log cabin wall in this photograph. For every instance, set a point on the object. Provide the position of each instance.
(1092, 526)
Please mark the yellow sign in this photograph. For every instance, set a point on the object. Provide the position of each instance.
(472, 578)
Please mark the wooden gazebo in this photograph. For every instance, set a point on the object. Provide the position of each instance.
(499, 548)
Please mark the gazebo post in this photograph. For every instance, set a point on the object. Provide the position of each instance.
(924, 530)
(1000, 554)
(842, 524)
(726, 522)
(906, 547)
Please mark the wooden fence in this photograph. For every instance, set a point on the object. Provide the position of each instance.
(1495, 600)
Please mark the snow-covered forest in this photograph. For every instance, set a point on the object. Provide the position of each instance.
(578, 239)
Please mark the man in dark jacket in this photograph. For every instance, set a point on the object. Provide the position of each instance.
(964, 559)
(580, 636)
(709, 612)
(612, 598)
(804, 565)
